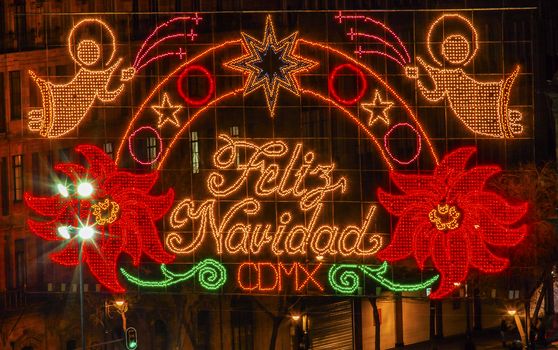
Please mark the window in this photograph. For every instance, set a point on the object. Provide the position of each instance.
(195, 152)
(2, 105)
(4, 186)
(8, 265)
(21, 268)
(17, 165)
(234, 131)
(36, 173)
(20, 23)
(15, 95)
(242, 325)
(107, 147)
(71, 345)
(151, 149)
(41, 263)
(64, 155)
(49, 165)
(234, 134)
(203, 330)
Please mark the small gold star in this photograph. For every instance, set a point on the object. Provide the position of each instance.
(167, 112)
(377, 108)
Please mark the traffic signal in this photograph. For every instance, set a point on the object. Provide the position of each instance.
(131, 338)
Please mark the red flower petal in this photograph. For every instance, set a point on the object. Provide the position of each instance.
(132, 246)
(122, 181)
(73, 171)
(410, 183)
(157, 205)
(481, 257)
(496, 234)
(150, 241)
(46, 230)
(454, 163)
(397, 204)
(100, 164)
(67, 256)
(46, 206)
(449, 254)
(421, 243)
(495, 207)
(472, 180)
(485, 217)
(134, 232)
(102, 264)
(401, 243)
(125, 228)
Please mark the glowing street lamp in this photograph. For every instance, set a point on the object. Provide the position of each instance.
(86, 232)
(64, 232)
(121, 306)
(63, 190)
(512, 312)
(85, 189)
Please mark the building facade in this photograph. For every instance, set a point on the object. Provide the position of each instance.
(40, 299)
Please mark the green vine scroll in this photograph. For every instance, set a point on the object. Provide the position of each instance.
(344, 279)
(211, 274)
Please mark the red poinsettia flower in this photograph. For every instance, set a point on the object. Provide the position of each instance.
(449, 217)
(118, 216)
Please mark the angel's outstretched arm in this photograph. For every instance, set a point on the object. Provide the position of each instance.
(105, 95)
(435, 94)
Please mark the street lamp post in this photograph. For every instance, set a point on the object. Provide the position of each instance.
(82, 319)
(519, 325)
(84, 190)
(121, 307)
(84, 233)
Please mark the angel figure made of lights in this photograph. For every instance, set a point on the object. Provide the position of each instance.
(65, 105)
(481, 106)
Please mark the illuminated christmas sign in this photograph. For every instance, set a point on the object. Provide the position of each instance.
(272, 210)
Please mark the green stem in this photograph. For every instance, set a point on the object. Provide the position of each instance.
(212, 275)
(344, 279)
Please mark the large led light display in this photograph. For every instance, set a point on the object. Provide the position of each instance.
(279, 162)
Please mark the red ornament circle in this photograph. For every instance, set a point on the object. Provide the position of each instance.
(361, 77)
(211, 89)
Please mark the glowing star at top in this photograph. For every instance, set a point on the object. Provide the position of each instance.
(377, 109)
(481, 106)
(167, 112)
(65, 105)
(270, 64)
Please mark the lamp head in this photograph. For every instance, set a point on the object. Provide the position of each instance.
(86, 232)
(512, 312)
(85, 189)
